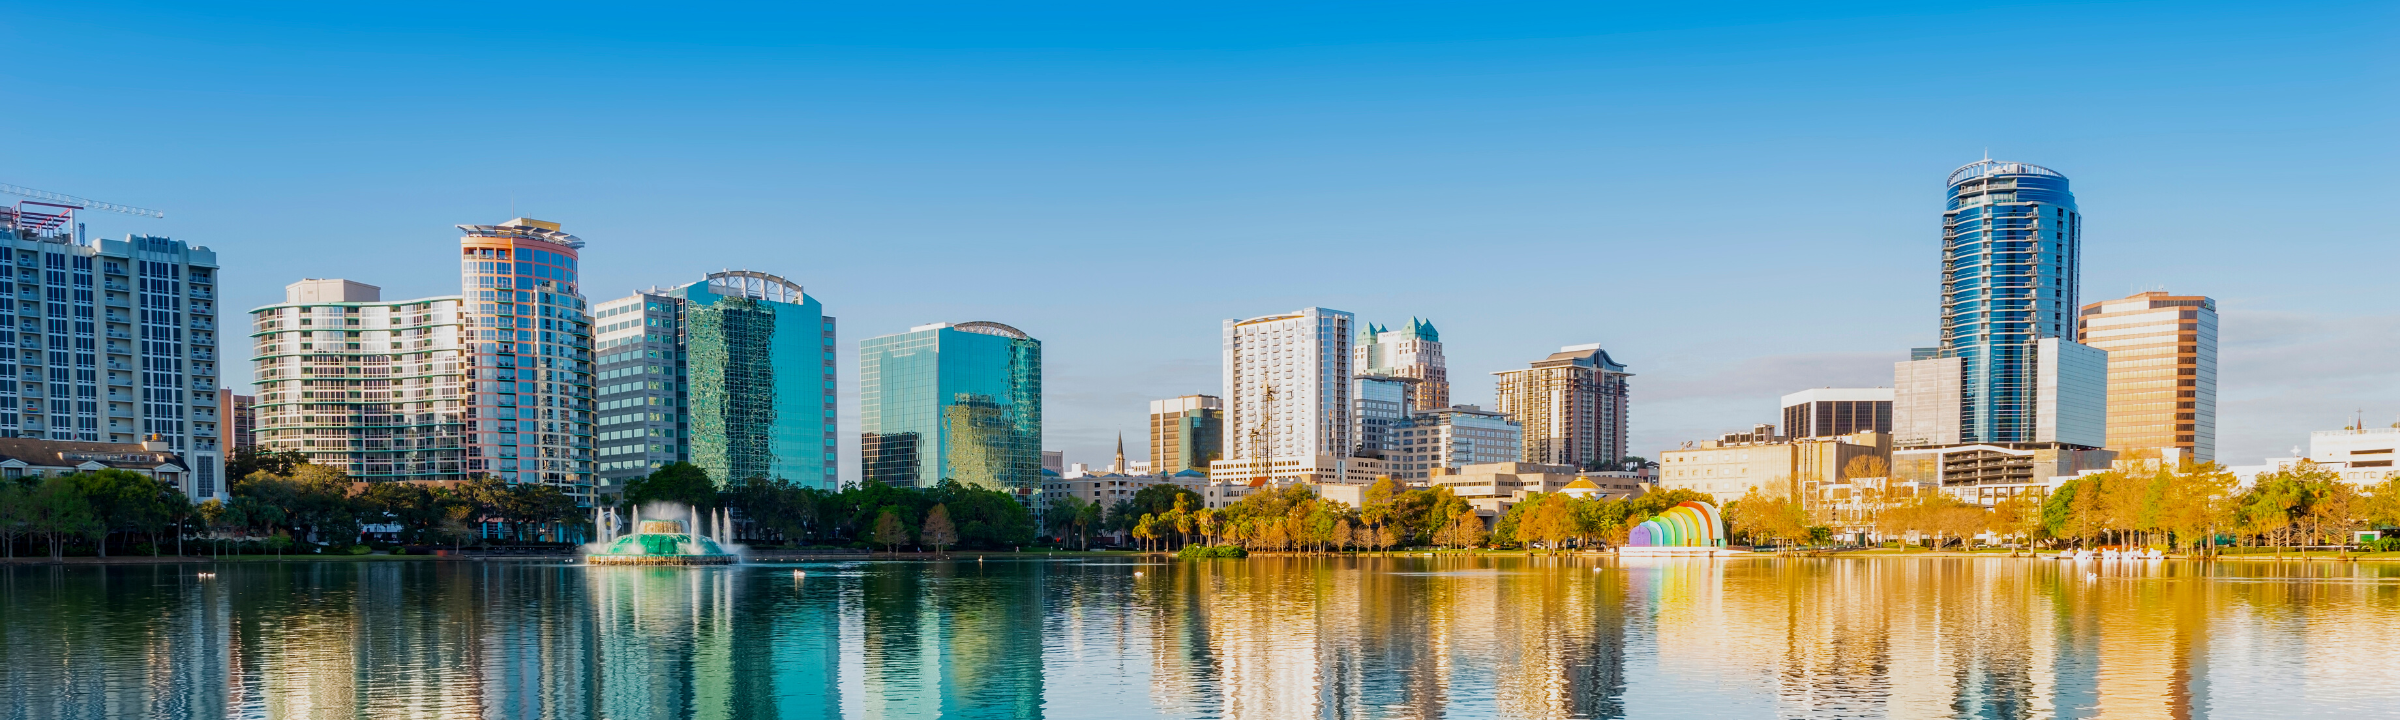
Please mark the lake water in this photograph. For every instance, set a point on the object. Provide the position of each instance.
(1408, 637)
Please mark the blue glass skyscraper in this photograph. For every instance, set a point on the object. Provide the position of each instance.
(2011, 259)
(952, 402)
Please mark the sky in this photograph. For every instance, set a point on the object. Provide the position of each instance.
(1737, 200)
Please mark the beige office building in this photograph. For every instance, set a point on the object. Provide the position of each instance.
(1731, 467)
(1571, 406)
(1186, 433)
(2162, 372)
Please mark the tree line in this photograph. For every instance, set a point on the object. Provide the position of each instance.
(1294, 518)
(862, 515)
(2179, 506)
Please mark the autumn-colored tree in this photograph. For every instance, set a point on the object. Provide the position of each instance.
(938, 531)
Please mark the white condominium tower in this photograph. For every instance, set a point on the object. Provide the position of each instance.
(1287, 386)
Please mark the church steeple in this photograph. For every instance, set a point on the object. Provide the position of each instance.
(1118, 467)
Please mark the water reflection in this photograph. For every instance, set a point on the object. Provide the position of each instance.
(1403, 637)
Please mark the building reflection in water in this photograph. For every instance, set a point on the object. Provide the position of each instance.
(1413, 637)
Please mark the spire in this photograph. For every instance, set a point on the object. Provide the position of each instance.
(1119, 466)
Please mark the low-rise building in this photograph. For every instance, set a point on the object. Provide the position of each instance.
(29, 457)
(1732, 466)
(1432, 443)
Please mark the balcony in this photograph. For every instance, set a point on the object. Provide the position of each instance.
(202, 294)
(112, 302)
(116, 286)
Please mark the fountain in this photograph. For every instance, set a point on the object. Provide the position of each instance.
(663, 542)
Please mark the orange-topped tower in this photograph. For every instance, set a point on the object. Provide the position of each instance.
(528, 344)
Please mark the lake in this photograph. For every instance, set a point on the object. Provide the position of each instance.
(1113, 637)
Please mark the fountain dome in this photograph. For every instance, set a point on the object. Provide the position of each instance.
(662, 542)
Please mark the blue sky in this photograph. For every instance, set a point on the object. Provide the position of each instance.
(1738, 200)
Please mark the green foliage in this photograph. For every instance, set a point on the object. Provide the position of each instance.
(679, 483)
(254, 459)
(780, 510)
(1210, 552)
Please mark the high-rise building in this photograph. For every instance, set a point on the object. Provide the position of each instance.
(1826, 412)
(643, 417)
(733, 374)
(1287, 388)
(759, 375)
(1439, 442)
(2162, 372)
(375, 388)
(1411, 352)
(114, 341)
(528, 339)
(2011, 261)
(952, 402)
(1380, 404)
(237, 419)
(1572, 406)
(1186, 433)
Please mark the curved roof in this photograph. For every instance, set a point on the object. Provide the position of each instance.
(1582, 484)
(516, 229)
(755, 285)
(991, 328)
(1988, 168)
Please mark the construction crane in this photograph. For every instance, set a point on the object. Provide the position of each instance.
(49, 211)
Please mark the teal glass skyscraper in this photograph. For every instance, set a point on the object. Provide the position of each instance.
(733, 374)
(2011, 260)
(952, 402)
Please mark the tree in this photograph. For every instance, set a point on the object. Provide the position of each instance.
(889, 531)
(15, 501)
(679, 483)
(124, 501)
(254, 459)
(58, 513)
(937, 531)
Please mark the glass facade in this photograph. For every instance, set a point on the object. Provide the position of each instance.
(958, 402)
(642, 419)
(758, 367)
(2162, 371)
(1440, 442)
(1382, 407)
(529, 345)
(2011, 259)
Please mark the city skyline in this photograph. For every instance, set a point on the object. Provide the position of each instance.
(1414, 153)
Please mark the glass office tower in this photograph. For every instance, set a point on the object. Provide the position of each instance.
(733, 373)
(529, 343)
(2011, 259)
(758, 371)
(952, 402)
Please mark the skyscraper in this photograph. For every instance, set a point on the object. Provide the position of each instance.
(369, 386)
(642, 413)
(733, 373)
(1287, 386)
(1572, 406)
(952, 402)
(759, 373)
(2162, 371)
(1411, 352)
(529, 343)
(1186, 433)
(1379, 406)
(115, 340)
(2011, 261)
